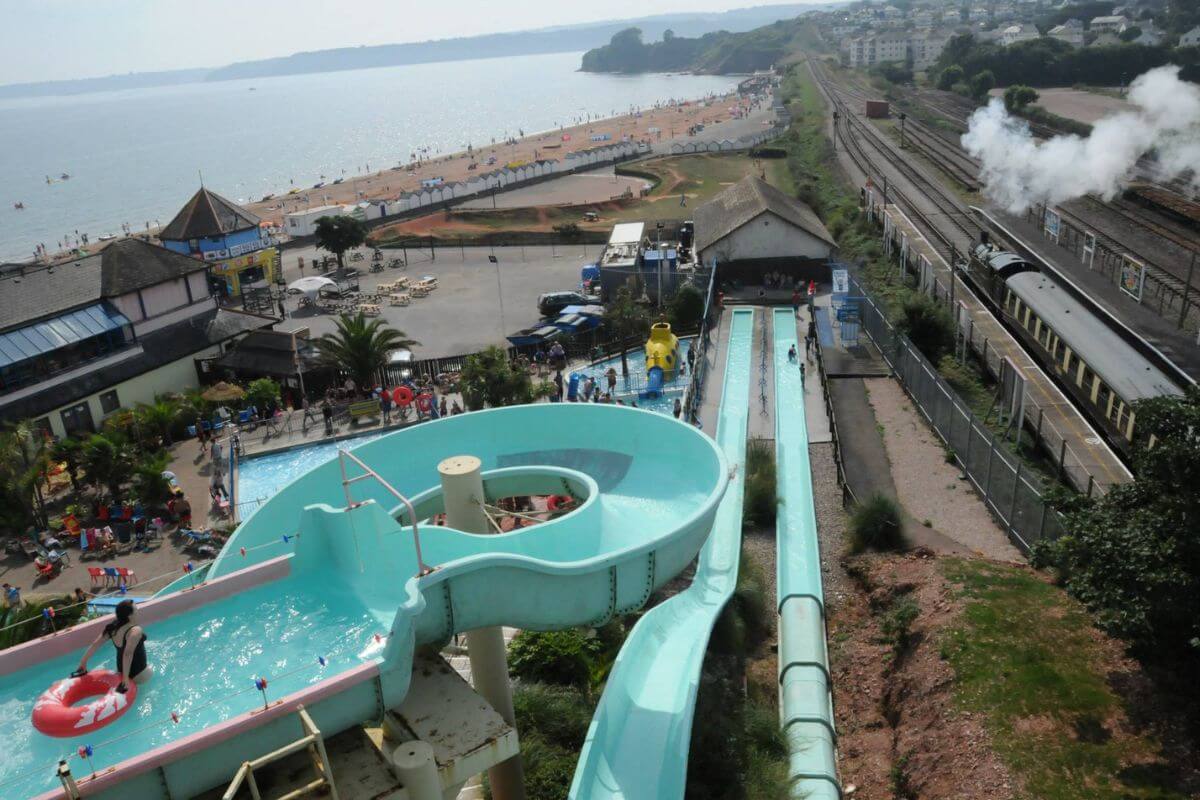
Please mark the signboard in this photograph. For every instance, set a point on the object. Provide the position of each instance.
(849, 313)
(841, 286)
(1088, 254)
(1133, 277)
(1052, 224)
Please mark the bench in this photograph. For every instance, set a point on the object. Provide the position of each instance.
(400, 298)
(366, 408)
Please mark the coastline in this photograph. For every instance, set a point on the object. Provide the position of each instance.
(672, 119)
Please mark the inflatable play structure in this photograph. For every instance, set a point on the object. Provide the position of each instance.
(662, 359)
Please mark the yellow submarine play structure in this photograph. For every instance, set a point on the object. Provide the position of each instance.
(662, 358)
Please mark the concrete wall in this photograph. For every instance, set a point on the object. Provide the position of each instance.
(173, 377)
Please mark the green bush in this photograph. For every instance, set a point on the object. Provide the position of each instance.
(559, 657)
(262, 391)
(685, 307)
(948, 77)
(21, 633)
(928, 325)
(761, 493)
(560, 714)
(896, 625)
(750, 600)
(876, 525)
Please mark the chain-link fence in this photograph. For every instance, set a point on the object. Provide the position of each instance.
(1010, 490)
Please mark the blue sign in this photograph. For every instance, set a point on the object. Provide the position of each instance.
(848, 313)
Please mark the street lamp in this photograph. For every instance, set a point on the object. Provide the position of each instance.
(903, 117)
(499, 292)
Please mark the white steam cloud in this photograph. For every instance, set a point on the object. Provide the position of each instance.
(1018, 171)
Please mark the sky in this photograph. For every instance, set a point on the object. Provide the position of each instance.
(62, 39)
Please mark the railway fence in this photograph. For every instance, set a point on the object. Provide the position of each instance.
(1170, 297)
(1013, 493)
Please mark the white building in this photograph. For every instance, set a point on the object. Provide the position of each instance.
(1018, 33)
(922, 48)
(753, 221)
(304, 223)
(1191, 38)
(1109, 24)
(1072, 36)
(925, 48)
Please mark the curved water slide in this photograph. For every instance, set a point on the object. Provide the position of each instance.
(637, 745)
(805, 700)
(649, 487)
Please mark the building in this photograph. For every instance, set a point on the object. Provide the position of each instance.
(304, 223)
(81, 339)
(1018, 33)
(1106, 39)
(921, 48)
(1072, 35)
(926, 48)
(228, 238)
(1191, 38)
(1114, 24)
(751, 228)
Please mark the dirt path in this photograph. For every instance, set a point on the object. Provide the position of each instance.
(930, 488)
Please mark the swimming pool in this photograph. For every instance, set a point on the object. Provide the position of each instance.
(628, 387)
(260, 477)
(205, 662)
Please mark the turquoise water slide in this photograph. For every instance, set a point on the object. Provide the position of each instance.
(805, 702)
(637, 745)
(324, 599)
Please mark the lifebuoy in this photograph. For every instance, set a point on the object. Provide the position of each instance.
(402, 395)
(424, 403)
(56, 714)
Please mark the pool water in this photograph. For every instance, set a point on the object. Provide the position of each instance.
(276, 630)
(261, 477)
(628, 387)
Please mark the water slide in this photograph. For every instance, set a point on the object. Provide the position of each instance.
(637, 744)
(805, 701)
(323, 599)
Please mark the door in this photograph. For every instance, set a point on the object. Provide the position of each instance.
(78, 419)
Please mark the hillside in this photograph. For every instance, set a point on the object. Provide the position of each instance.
(559, 39)
(720, 53)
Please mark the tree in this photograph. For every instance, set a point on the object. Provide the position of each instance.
(149, 486)
(1130, 33)
(686, 307)
(489, 379)
(262, 391)
(982, 83)
(950, 76)
(339, 234)
(625, 318)
(361, 347)
(1133, 556)
(108, 463)
(157, 418)
(1018, 96)
(23, 465)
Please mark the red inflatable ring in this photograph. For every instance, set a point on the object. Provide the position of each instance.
(424, 402)
(56, 714)
(402, 395)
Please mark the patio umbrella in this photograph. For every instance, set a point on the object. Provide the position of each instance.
(311, 285)
(223, 391)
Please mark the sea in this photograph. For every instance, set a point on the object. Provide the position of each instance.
(134, 157)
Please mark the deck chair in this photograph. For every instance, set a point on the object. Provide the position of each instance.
(97, 576)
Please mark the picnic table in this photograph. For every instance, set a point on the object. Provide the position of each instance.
(370, 309)
(400, 298)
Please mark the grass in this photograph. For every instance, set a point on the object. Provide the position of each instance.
(876, 525)
(1026, 659)
(698, 176)
(762, 494)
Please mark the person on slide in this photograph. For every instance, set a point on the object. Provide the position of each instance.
(130, 641)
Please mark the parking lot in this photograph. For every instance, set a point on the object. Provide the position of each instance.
(476, 304)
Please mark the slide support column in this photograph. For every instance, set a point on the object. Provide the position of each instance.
(462, 488)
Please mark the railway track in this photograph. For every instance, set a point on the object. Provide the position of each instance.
(1142, 219)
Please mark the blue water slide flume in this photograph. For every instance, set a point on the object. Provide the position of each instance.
(347, 590)
(806, 705)
(637, 744)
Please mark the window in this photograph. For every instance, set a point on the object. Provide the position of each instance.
(109, 402)
(1104, 399)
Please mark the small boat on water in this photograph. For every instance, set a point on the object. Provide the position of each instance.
(104, 237)
(19, 206)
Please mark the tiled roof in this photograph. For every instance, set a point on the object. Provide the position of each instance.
(736, 205)
(207, 214)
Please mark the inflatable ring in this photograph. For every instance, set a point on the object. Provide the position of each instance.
(56, 714)
(402, 395)
(424, 403)
(557, 501)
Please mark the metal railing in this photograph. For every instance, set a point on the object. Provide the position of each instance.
(351, 503)
(1011, 491)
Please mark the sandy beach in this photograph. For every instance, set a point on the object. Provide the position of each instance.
(670, 121)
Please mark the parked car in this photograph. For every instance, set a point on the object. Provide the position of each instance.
(550, 303)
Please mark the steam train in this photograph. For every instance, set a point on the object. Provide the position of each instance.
(1101, 367)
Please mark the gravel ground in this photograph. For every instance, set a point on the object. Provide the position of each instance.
(929, 488)
(758, 545)
(831, 525)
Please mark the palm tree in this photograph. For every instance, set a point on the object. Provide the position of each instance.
(23, 464)
(625, 318)
(108, 463)
(361, 347)
(158, 418)
(70, 452)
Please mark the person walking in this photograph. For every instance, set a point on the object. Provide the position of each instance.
(801, 373)
(612, 380)
(308, 415)
(795, 303)
(385, 403)
(327, 413)
(558, 384)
